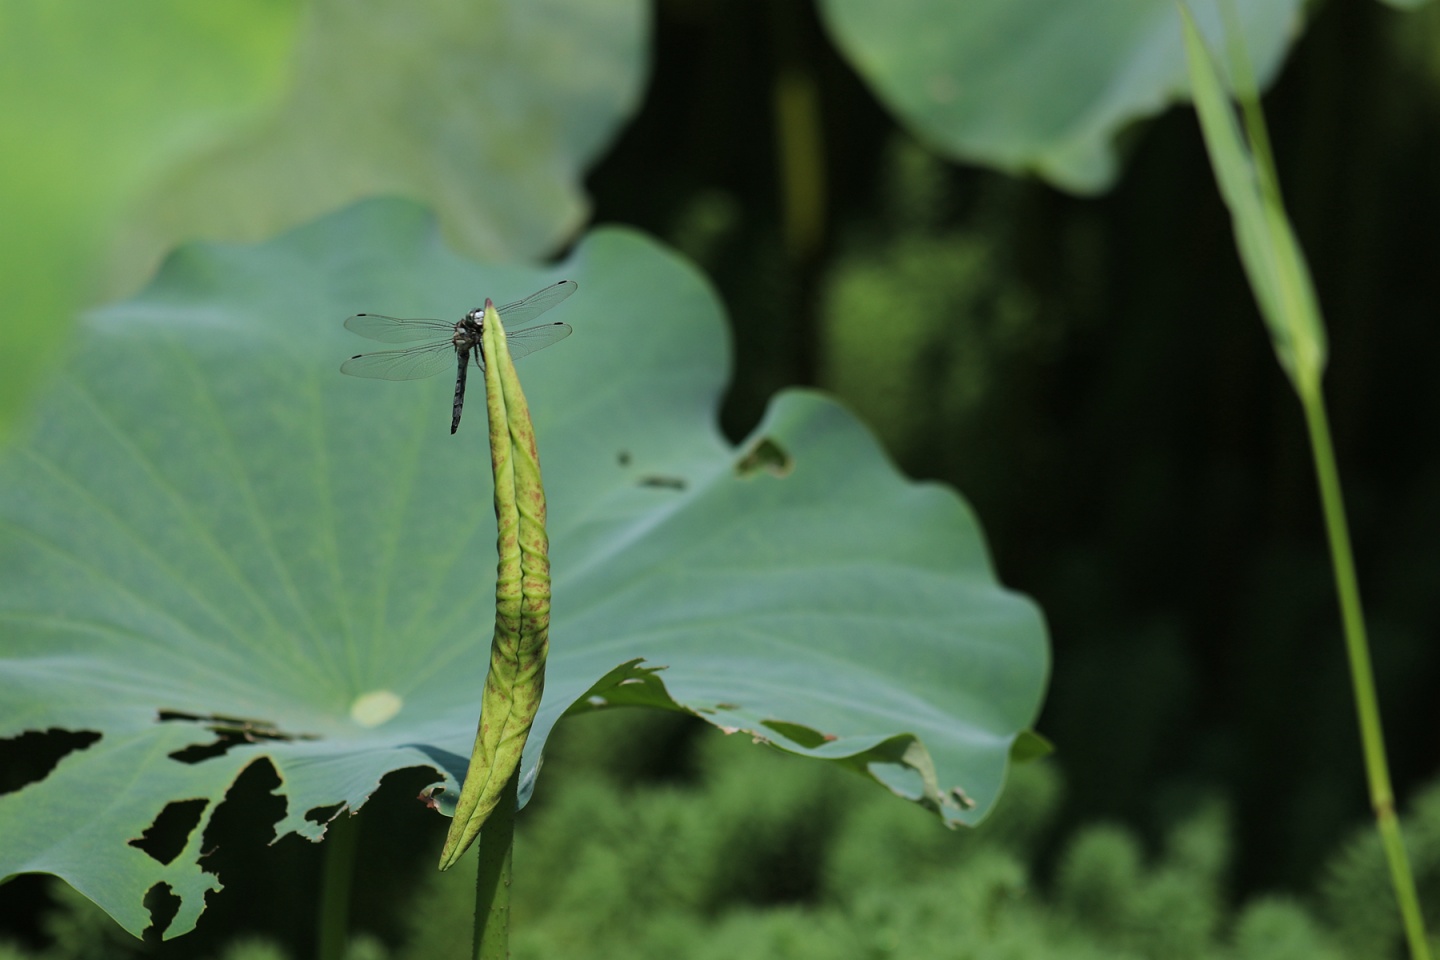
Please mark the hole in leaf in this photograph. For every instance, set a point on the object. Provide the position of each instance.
(30, 757)
(805, 736)
(658, 482)
(165, 838)
(766, 455)
(245, 819)
(324, 814)
(163, 905)
(205, 752)
(230, 732)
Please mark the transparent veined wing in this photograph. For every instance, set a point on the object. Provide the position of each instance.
(397, 329)
(514, 314)
(431, 358)
(522, 343)
(416, 363)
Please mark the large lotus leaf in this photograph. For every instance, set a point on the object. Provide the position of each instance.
(211, 528)
(488, 110)
(1034, 85)
(95, 98)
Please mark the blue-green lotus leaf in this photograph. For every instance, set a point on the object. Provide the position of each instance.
(211, 534)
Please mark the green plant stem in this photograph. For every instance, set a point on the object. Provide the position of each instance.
(341, 843)
(492, 878)
(1362, 676)
(1281, 282)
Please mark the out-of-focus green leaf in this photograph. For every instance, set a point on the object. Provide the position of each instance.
(1030, 746)
(487, 110)
(1035, 86)
(1268, 248)
(97, 99)
(212, 528)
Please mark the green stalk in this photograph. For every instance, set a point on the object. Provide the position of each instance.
(1362, 677)
(341, 843)
(1281, 282)
(492, 879)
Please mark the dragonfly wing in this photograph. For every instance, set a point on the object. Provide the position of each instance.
(416, 363)
(397, 329)
(522, 343)
(537, 303)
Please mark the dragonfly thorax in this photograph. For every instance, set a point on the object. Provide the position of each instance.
(469, 329)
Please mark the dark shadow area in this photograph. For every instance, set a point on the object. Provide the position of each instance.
(163, 905)
(764, 455)
(452, 763)
(27, 899)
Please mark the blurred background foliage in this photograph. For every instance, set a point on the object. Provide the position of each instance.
(1092, 374)
(723, 849)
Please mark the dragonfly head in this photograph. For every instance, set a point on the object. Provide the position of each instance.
(470, 327)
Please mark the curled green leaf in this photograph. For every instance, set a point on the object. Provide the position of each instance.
(1268, 248)
(516, 678)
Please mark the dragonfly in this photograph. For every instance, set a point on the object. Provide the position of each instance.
(459, 341)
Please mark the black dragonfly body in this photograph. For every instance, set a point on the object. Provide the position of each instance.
(462, 340)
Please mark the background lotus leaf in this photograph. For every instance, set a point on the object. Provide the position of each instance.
(489, 112)
(1034, 86)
